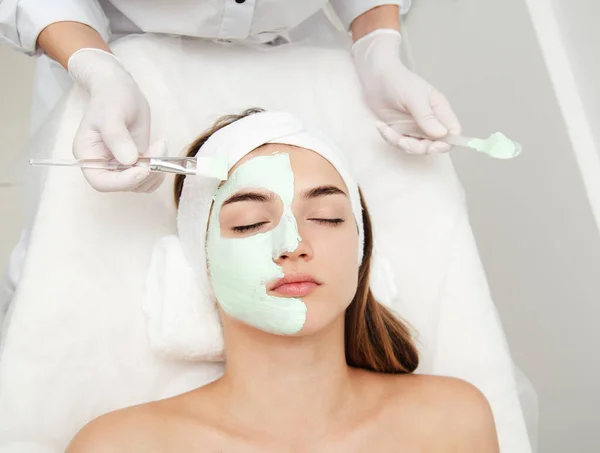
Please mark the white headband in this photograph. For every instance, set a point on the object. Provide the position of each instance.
(183, 319)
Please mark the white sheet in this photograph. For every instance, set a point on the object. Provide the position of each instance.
(76, 346)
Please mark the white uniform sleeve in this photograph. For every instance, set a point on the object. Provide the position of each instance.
(348, 10)
(21, 21)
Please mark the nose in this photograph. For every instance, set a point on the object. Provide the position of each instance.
(302, 252)
(297, 245)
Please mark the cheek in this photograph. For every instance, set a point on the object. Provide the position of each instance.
(337, 254)
(338, 244)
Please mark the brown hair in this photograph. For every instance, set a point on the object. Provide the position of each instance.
(375, 338)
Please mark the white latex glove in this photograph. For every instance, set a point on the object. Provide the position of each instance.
(115, 125)
(395, 93)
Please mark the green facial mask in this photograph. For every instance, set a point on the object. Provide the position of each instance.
(240, 268)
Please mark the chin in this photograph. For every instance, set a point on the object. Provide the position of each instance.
(321, 315)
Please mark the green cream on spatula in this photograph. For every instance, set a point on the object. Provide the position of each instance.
(496, 145)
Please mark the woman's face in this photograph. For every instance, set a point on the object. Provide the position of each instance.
(282, 242)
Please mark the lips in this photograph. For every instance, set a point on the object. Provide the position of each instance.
(296, 285)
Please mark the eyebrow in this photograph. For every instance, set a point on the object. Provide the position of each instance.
(322, 191)
(315, 192)
(249, 196)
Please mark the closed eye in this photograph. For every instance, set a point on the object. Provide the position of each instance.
(256, 226)
(332, 222)
(245, 228)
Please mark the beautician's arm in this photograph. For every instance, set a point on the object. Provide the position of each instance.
(22, 21)
(60, 40)
(386, 17)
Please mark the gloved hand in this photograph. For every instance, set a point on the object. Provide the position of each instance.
(396, 93)
(115, 125)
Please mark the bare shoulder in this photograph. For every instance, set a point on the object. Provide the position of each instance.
(455, 409)
(128, 430)
(450, 395)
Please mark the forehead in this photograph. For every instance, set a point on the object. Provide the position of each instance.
(309, 167)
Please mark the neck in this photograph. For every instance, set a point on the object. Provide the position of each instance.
(293, 386)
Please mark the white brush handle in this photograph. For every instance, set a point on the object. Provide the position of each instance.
(412, 129)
